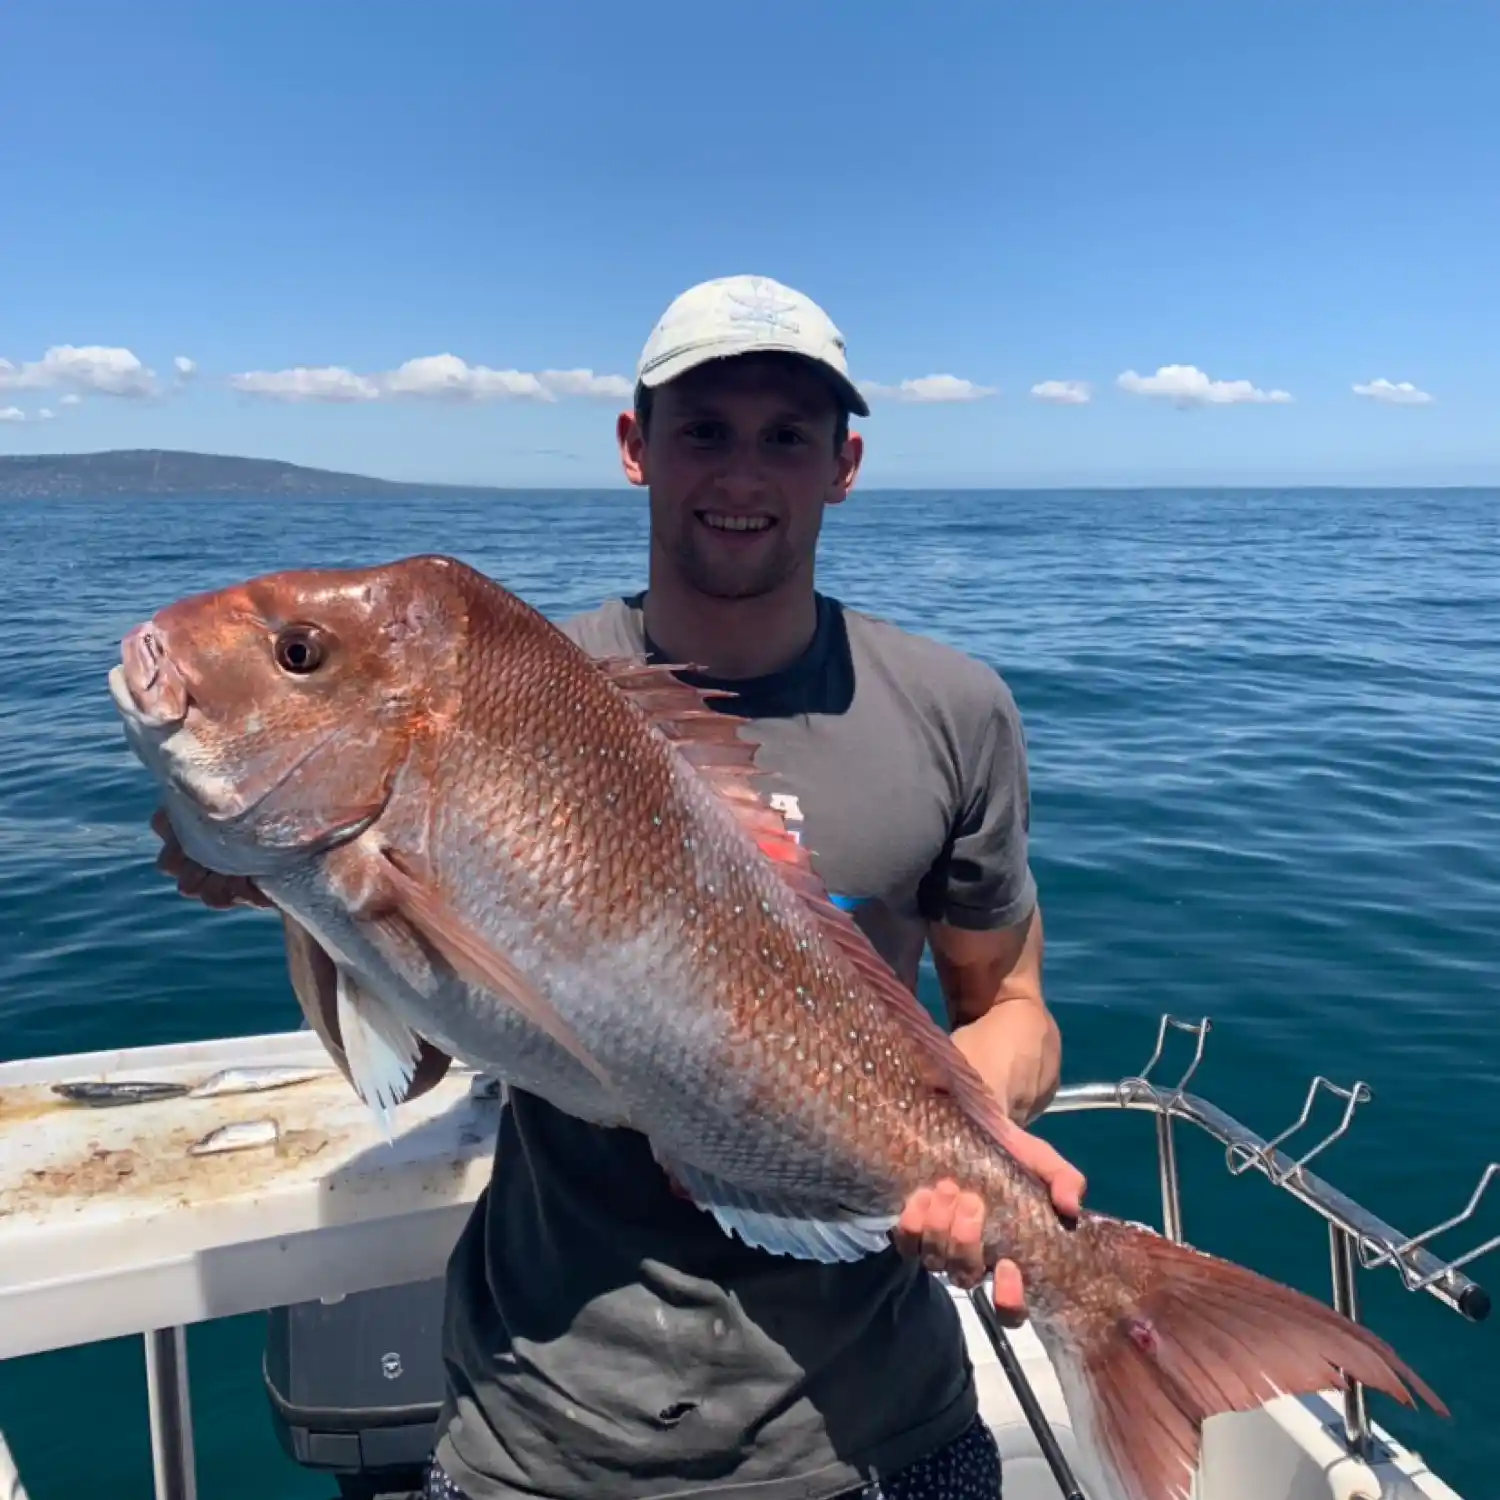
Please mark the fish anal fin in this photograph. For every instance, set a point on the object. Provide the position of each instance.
(782, 1228)
(475, 960)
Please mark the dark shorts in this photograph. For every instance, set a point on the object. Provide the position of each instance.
(968, 1468)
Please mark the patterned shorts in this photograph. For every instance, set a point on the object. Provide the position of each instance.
(967, 1469)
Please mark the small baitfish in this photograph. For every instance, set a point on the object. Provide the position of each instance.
(487, 846)
(242, 1135)
(254, 1080)
(98, 1094)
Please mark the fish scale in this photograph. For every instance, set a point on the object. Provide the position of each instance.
(486, 845)
(724, 907)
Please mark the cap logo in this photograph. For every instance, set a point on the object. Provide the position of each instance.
(765, 308)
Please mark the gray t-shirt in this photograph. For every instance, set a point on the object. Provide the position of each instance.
(605, 1338)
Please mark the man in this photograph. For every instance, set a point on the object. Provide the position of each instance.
(603, 1337)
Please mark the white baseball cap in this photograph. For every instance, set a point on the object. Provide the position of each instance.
(745, 315)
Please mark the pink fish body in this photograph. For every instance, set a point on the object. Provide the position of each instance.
(487, 846)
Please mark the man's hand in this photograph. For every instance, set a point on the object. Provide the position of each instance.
(946, 1228)
(220, 892)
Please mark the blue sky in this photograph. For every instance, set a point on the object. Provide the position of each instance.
(1296, 194)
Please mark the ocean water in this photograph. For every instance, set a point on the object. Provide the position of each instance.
(1265, 749)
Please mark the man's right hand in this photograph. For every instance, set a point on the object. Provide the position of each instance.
(221, 892)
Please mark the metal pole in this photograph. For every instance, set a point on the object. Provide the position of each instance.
(171, 1414)
(1171, 1193)
(1035, 1416)
(1346, 1301)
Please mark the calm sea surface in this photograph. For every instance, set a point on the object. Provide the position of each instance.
(1265, 742)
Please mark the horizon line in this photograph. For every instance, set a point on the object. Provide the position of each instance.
(886, 487)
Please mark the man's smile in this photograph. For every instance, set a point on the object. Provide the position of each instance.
(717, 520)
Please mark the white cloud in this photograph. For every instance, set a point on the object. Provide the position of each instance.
(1064, 392)
(12, 414)
(327, 383)
(71, 399)
(930, 389)
(185, 367)
(448, 377)
(92, 367)
(45, 414)
(1187, 385)
(1404, 394)
(586, 383)
(430, 377)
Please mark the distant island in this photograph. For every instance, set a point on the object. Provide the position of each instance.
(150, 473)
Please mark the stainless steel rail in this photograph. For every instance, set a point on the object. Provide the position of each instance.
(1356, 1236)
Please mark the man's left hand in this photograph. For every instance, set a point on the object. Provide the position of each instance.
(946, 1227)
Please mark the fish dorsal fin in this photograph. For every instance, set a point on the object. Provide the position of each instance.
(709, 739)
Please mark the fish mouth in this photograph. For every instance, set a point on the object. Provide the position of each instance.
(146, 686)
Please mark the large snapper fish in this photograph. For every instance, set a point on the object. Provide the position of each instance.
(488, 846)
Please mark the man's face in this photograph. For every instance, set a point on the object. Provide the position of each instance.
(741, 458)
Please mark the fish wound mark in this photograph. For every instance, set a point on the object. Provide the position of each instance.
(1142, 1333)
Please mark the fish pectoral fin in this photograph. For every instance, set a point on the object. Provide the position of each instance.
(479, 963)
(782, 1228)
(315, 982)
(381, 1049)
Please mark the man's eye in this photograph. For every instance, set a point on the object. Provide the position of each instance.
(704, 432)
(788, 436)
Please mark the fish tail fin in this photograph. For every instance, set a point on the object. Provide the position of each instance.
(1189, 1336)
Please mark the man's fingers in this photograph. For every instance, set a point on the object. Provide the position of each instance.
(170, 859)
(966, 1242)
(938, 1223)
(215, 891)
(1065, 1182)
(945, 1228)
(219, 892)
(908, 1231)
(1010, 1298)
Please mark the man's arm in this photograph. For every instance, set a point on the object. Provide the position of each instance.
(992, 981)
(984, 927)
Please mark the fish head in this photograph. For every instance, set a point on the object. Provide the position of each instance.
(277, 712)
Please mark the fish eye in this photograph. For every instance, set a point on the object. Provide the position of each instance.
(300, 649)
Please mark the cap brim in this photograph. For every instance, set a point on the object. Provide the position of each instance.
(683, 360)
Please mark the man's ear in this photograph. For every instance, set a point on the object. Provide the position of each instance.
(850, 457)
(632, 441)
